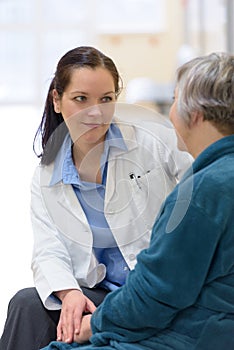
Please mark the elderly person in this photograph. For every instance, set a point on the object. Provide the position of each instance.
(180, 294)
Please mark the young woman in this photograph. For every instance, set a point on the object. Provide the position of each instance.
(95, 196)
(180, 294)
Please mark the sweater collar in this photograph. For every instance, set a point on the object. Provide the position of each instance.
(216, 150)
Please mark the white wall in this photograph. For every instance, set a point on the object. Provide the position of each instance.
(18, 126)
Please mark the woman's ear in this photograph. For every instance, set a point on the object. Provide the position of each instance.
(196, 118)
(56, 101)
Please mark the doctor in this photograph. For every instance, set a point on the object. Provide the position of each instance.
(95, 196)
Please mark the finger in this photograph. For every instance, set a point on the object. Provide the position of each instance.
(77, 320)
(85, 332)
(68, 329)
(59, 331)
(90, 306)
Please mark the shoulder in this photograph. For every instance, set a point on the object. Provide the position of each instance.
(43, 174)
(210, 190)
(149, 132)
(217, 179)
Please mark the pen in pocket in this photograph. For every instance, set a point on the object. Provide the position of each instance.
(135, 178)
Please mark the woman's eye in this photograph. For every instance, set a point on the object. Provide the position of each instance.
(80, 98)
(107, 99)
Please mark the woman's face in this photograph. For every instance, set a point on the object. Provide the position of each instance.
(182, 129)
(86, 104)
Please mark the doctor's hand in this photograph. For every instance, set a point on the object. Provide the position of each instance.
(74, 305)
(85, 330)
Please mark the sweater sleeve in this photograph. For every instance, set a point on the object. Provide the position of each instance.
(168, 278)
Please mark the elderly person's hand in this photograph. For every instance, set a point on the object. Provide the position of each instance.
(85, 330)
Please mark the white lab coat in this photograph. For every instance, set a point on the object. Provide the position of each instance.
(138, 180)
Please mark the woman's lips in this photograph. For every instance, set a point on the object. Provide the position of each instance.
(92, 125)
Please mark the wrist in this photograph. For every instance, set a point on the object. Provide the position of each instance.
(61, 294)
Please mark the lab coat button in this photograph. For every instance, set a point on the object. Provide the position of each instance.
(132, 256)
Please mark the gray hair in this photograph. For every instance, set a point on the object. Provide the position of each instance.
(206, 85)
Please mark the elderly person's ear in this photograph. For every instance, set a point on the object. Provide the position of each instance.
(196, 118)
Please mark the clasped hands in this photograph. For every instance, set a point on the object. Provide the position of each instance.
(74, 323)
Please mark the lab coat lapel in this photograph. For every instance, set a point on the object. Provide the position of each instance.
(68, 200)
(115, 158)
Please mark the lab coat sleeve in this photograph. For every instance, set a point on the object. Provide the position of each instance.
(168, 278)
(51, 263)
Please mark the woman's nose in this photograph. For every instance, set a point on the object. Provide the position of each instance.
(95, 110)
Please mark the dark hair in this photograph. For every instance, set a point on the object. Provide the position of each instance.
(83, 56)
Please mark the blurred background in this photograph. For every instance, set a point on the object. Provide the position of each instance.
(147, 39)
